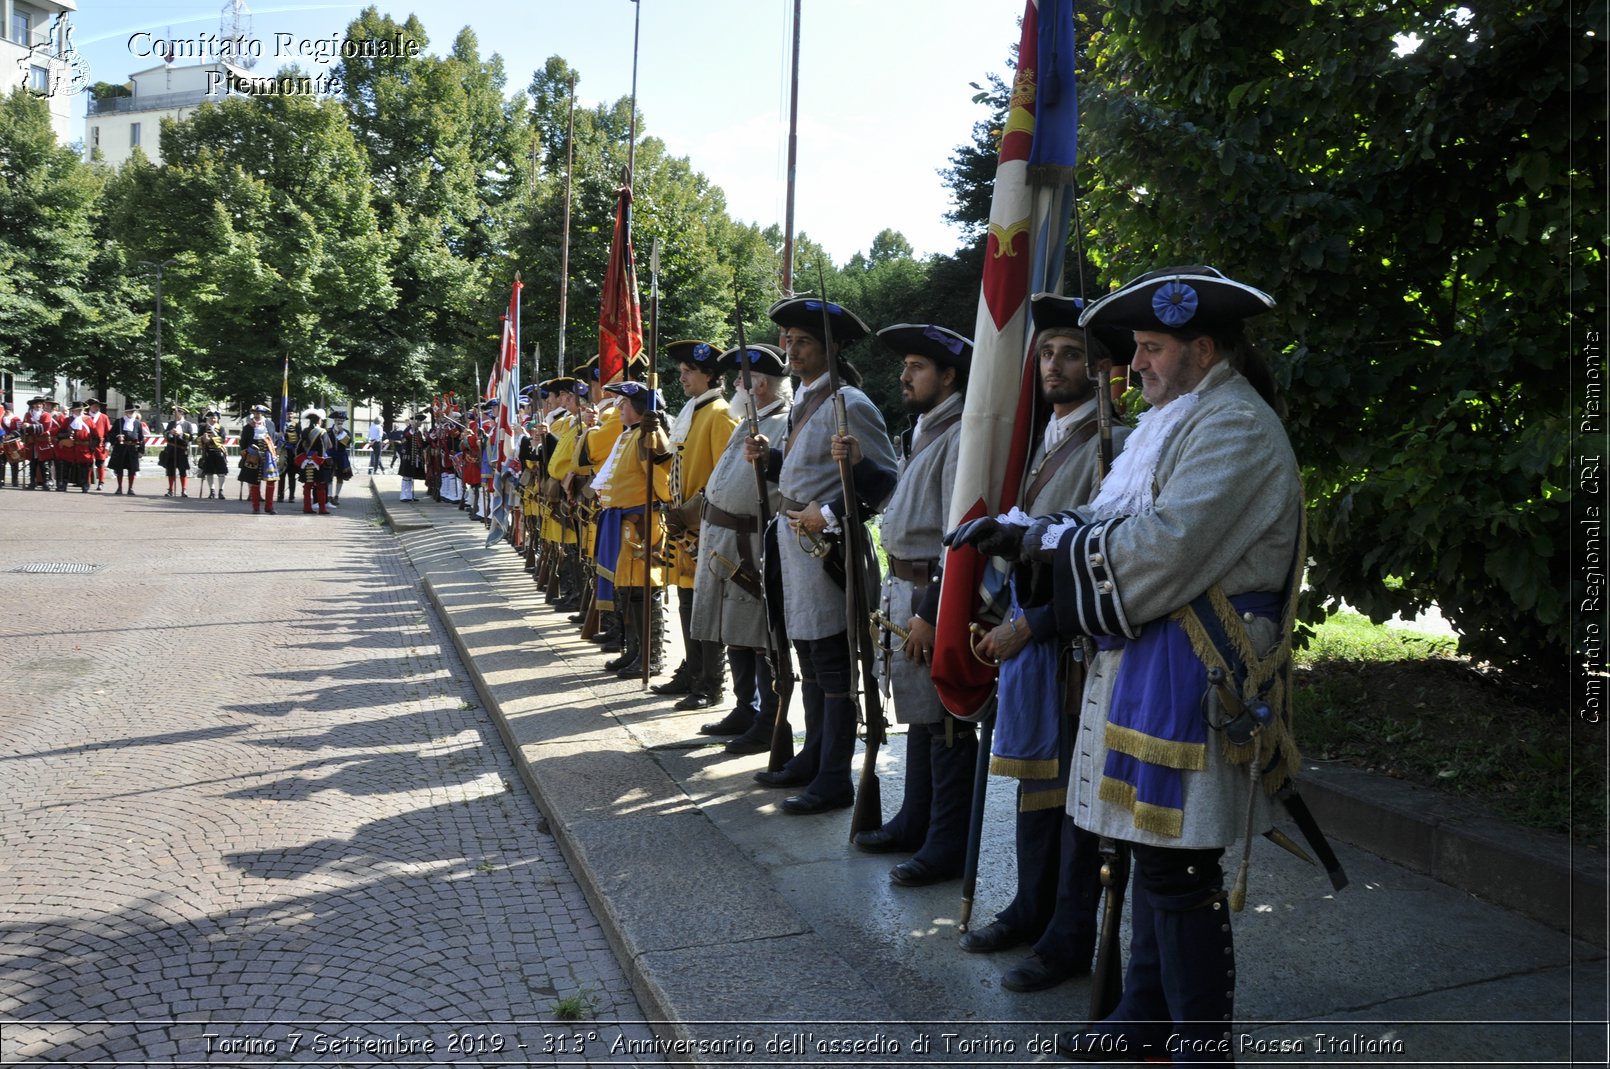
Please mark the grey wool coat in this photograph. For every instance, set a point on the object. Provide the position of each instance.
(722, 610)
(813, 604)
(1226, 509)
(911, 527)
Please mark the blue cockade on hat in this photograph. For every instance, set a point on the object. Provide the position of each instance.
(1174, 303)
(703, 352)
(952, 343)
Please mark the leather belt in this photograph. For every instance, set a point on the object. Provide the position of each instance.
(788, 504)
(717, 517)
(918, 572)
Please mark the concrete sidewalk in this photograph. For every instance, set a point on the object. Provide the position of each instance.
(759, 938)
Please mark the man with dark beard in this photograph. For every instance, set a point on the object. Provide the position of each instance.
(1058, 864)
(941, 751)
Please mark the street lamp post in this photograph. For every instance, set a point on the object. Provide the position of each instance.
(169, 262)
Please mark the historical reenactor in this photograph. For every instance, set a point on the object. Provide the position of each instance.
(411, 452)
(174, 459)
(728, 604)
(340, 454)
(1058, 863)
(128, 446)
(10, 444)
(467, 462)
(259, 459)
(39, 436)
(699, 434)
(290, 444)
(314, 465)
(75, 452)
(941, 751)
(214, 457)
(1189, 556)
(631, 540)
(100, 426)
(813, 596)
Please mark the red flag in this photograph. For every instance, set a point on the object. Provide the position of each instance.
(1028, 231)
(620, 320)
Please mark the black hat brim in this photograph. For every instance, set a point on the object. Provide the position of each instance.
(1178, 299)
(805, 313)
(764, 360)
(944, 347)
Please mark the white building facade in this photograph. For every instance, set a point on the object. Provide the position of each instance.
(114, 126)
(36, 50)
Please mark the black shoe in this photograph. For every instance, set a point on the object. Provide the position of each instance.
(577, 618)
(635, 669)
(734, 723)
(781, 778)
(881, 841)
(756, 740)
(1037, 974)
(994, 936)
(679, 683)
(615, 664)
(801, 805)
(917, 873)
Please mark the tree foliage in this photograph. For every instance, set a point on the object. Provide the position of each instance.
(1426, 218)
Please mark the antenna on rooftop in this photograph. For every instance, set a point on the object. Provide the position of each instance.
(235, 28)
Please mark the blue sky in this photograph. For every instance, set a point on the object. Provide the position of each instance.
(884, 93)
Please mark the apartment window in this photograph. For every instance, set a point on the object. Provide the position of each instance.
(39, 79)
(94, 137)
(134, 134)
(22, 24)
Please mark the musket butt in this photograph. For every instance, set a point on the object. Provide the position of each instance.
(966, 915)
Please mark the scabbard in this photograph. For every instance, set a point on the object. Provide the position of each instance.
(1303, 817)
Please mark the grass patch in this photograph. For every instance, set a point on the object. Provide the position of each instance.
(1406, 705)
(575, 1007)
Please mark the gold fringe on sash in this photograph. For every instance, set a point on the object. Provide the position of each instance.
(1033, 801)
(1023, 767)
(1159, 820)
(1155, 751)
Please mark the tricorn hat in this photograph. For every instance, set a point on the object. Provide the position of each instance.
(943, 346)
(763, 359)
(637, 393)
(1051, 311)
(1191, 298)
(314, 413)
(701, 354)
(805, 313)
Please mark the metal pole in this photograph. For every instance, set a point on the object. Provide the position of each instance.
(564, 240)
(159, 346)
(793, 157)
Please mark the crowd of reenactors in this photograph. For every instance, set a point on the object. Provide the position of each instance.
(48, 446)
(1131, 563)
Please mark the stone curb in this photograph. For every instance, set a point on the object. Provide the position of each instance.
(1535, 873)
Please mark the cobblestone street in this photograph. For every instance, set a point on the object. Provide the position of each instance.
(254, 813)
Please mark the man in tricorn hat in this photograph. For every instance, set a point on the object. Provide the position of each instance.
(941, 751)
(1187, 556)
(699, 434)
(177, 435)
(128, 445)
(75, 452)
(1042, 674)
(630, 540)
(214, 455)
(728, 605)
(100, 432)
(313, 464)
(812, 507)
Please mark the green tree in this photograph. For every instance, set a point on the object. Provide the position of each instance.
(1428, 219)
(446, 155)
(264, 204)
(47, 199)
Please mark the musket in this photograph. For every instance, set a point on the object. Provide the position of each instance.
(868, 812)
(646, 438)
(777, 653)
(1107, 976)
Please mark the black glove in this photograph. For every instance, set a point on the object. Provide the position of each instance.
(1034, 539)
(990, 537)
(661, 421)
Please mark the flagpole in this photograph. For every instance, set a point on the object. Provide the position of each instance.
(647, 438)
(793, 157)
(564, 239)
(631, 145)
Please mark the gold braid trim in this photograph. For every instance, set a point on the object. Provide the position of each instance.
(1023, 767)
(1033, 801)
(1159, 820)
(1155, 751)
(1268, 676)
